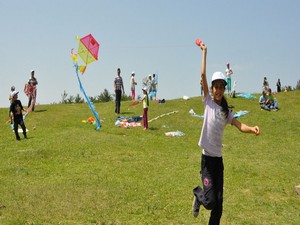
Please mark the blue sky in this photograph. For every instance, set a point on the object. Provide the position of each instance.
(259, 38)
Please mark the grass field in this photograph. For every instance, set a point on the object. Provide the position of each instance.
(68, 173)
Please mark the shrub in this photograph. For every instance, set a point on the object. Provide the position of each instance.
(105, 96)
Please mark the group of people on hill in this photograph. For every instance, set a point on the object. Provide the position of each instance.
(16, 109)
(266, 87)
(267, 101)
(216, 116)
(149, 92)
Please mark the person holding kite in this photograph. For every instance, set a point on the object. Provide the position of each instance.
(15, 110)
(118, 87)
(31, 90)
(216, 116)
(145, 101)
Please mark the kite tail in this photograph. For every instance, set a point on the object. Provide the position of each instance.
(91, 105)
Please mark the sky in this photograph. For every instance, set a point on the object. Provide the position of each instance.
(258, 38)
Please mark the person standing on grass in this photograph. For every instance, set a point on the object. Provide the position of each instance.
(265, 86)
(15, 110)
(31, 90)
(132, 85)
(145, 101)
(216, 116)
(10, 98)
(278, 84)
(228, 73)
(118, 87)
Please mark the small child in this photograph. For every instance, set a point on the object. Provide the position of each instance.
(263, 101)
(15, 110)
(271, 101)
(145, 101)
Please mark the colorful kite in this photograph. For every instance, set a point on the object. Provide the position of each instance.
(88, 51)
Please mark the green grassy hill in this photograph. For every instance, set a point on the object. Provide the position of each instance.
(66, 172)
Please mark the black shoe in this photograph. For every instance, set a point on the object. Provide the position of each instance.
(196, 207)
(18, 138)
(25, 136)
(196, 202)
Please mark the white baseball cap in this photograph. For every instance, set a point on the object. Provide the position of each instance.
(14, 93)
(218, 76)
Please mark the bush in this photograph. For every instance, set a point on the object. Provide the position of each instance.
(298, 85)
(105, 96)
(126, 97)
(78, 99)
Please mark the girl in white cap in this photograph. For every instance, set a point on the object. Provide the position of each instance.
(216, 116)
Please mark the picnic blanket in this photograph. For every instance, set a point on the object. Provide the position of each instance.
(245, 95)
(127, 122)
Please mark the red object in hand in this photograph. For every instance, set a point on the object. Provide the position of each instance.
(198, 42)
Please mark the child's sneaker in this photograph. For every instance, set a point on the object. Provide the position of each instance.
(196, 207)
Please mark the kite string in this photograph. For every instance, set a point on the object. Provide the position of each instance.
(91, 105)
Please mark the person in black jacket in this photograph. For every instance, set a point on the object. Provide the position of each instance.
(15, 110)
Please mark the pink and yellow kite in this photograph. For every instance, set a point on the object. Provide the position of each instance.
(88, 51)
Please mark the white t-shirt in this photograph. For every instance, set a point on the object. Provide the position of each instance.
(213, 126)
(132, 83)
(228, 72)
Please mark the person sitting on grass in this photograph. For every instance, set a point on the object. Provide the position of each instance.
(263, 101)
(271, 101)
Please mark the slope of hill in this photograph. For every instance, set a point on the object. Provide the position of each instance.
(68, 173)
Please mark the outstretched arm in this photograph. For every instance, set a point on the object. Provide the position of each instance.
(203, 70)
(245, 128)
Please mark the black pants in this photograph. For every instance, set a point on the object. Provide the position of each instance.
(211, 196)
(19, 121)
(29, 103)
(118, 101)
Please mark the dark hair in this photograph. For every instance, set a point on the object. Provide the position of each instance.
(224, 103)
(224, 106)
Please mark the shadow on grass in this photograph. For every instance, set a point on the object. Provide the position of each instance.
(41, 110)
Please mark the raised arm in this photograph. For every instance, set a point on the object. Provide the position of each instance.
(203, 70)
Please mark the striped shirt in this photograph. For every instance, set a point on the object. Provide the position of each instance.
(118, 83)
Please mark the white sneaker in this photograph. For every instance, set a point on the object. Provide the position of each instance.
(196, 207)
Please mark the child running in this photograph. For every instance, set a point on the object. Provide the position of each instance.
(15, 110)
(216, 116)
